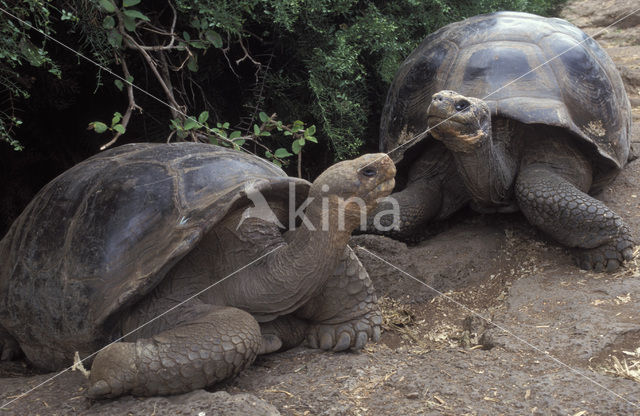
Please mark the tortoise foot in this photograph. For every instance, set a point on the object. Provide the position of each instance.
(347, 335)
(607, 257)
(199, 352)
(113, 371)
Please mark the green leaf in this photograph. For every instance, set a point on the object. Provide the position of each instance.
(98, 126)
(182, 134)
(129, 79)
(311, 139)
(213, 139)
(190, 123)
(119, 84)
(193, 64)
(136, 15)
(119, 128)
(240, 142)
(186, 36)
(116, 118)
(288, 133)
(108, 6)
(214, 38)
(176, 124)
(109, 22)
(129, 3)
(265, 133)
(235, 135)
(297, 125)
(115, 39)
(203, 117)
(277, 163)
(129, 23)
(282, 153)
(256, 130)
(310, 131)
(263, 116)
(268, 154)
(295, 147)
(225, 125)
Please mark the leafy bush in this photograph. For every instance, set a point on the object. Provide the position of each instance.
(327, 62)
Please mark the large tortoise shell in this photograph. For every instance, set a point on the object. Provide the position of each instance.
(526, 67)
(104, 233)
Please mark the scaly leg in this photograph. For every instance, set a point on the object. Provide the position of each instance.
(346, 314)
(574, 219)
(434, 191)
(216, 344)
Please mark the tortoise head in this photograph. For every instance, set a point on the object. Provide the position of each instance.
(355, 186)
(460, 122)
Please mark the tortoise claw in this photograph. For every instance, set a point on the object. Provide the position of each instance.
(348, 335)
(608, 257)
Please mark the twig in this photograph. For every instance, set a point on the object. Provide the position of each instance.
(246, 55)
(164, 83)
(132, 105)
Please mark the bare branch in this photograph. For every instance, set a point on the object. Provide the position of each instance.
(165, 83)
(246, 54)
(132, 105)
(224, 53)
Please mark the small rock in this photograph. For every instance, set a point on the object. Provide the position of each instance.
(414, 395)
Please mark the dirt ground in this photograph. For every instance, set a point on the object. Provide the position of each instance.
(562, 340)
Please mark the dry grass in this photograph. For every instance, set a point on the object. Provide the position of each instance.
(399, 318)
(626, 367)
(630, 268)
(422, 335)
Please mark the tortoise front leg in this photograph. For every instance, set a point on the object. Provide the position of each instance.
(573, 218)
(215, 345)
(434, 191)
(346, 313)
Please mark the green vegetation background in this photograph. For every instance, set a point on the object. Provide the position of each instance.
(325, 62)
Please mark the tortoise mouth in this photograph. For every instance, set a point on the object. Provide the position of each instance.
(382, 190)
(439, 124)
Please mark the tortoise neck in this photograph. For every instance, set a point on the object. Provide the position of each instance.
(488, 170)
(289, 276)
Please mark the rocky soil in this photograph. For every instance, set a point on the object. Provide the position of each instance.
(486, 318)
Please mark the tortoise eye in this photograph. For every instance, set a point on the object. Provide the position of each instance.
(462, 105)
(369, 172)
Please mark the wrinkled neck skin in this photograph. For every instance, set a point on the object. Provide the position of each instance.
(285, 279)
(486, 166)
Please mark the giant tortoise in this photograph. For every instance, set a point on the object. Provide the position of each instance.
(113, 246)
(512, 111)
